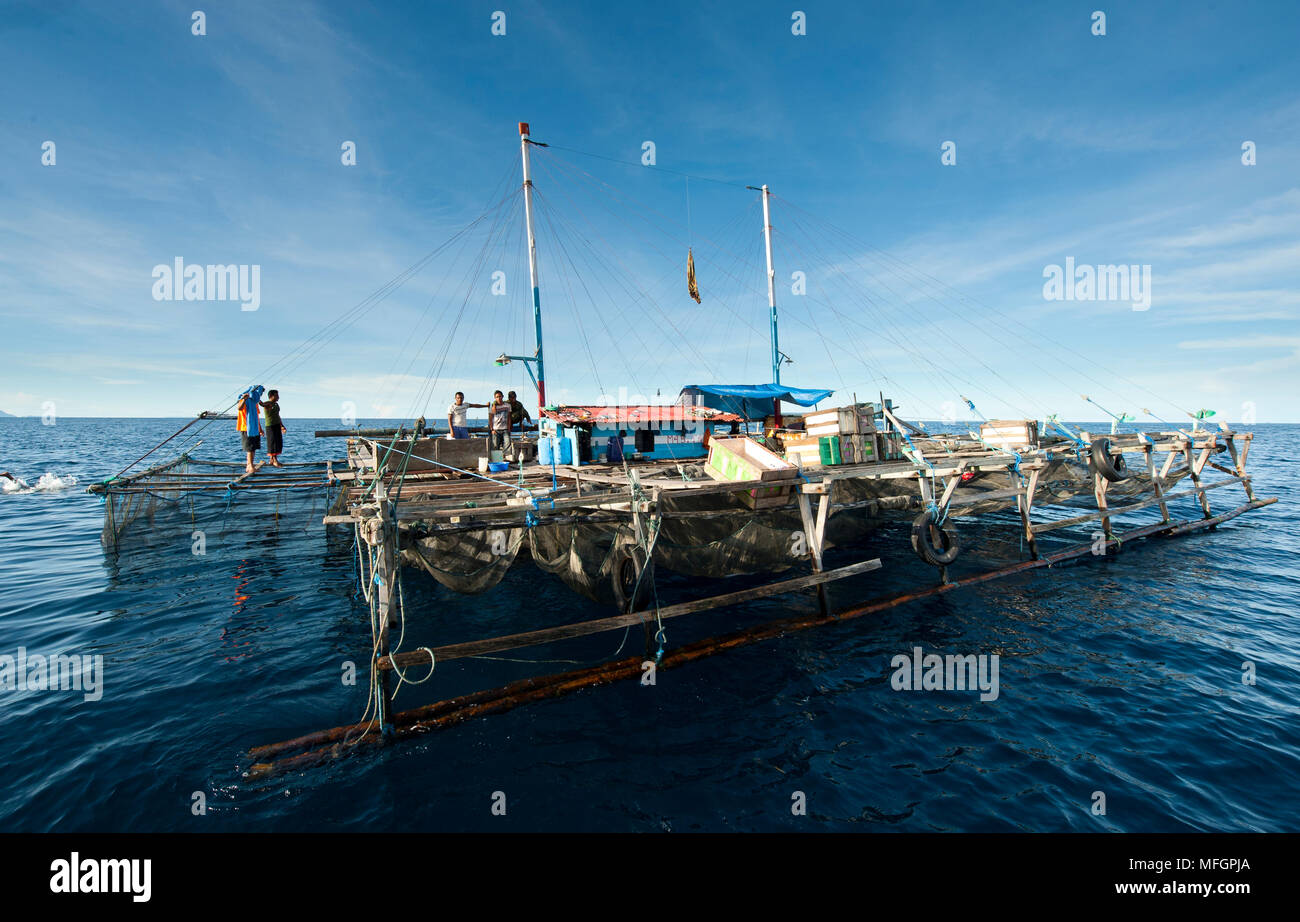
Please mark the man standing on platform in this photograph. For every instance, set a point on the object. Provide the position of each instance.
(518, 413)
(275, 429)
(456, 416)
(498, 422)
(248, 423)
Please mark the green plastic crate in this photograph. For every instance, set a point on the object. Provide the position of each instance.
(829, 448)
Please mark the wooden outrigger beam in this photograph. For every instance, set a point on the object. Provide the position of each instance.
(328, 744)
(1159, 499)
(598, 625)
(107, 486)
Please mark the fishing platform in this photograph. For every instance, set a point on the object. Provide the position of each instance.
(718, 483)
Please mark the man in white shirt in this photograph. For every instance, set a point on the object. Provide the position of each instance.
(499, 421)
(456, 416)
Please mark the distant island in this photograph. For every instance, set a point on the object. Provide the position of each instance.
(10, 415)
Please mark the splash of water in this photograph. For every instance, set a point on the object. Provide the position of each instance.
(46, 483)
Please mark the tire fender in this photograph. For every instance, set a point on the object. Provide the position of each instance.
(937, 545)
(1108, 462)
(628, 563)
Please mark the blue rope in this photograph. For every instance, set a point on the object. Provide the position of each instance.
(1080, 447)
(907, 438)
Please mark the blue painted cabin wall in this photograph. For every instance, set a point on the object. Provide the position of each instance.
(664, 448)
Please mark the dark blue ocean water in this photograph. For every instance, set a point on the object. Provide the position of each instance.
(1122, 676)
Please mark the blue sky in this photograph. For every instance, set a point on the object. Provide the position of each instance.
(225, 149)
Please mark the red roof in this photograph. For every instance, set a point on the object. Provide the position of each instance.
(631, 416)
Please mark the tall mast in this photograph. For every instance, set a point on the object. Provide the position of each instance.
(771, 288)
(524, 141)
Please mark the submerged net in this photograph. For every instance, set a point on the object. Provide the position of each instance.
(189, 493)
(467, 562)
(714, 535)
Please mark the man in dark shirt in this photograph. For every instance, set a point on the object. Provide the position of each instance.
(275, 429)
(518, 413)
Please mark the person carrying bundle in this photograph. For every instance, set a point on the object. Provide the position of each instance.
(249, 424)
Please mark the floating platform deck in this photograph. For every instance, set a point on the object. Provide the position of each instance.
(941, 477)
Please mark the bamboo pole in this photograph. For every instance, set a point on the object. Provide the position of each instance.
(598, 625)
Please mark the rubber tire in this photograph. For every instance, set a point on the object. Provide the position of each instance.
(923, 541)
(1110, 464)
(628, 563)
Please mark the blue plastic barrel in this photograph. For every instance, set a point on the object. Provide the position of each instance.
(545, 451)
(566, 452)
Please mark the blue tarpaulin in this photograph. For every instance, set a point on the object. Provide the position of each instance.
(752, 401)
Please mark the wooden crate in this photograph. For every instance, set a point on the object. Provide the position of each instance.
(805, 449)
(866, 448)
(743, 459)
(853, 420)
(733, 459)
(1011, 434)
(859, 449)
(767, 497)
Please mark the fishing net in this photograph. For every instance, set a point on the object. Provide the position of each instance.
(581, 556)
(189, 493)
(467, 562)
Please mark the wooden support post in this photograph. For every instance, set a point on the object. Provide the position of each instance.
(1239, 464)
(806, 517)
(1194, 469)
(386, 572)
(823, 511)
(1025, 504)
(953, 482)
(927, 493)
(1099, 487)
(1169, 462)
(814, 529)
(1156, 484)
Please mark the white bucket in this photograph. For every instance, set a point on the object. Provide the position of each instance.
(482, 465)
